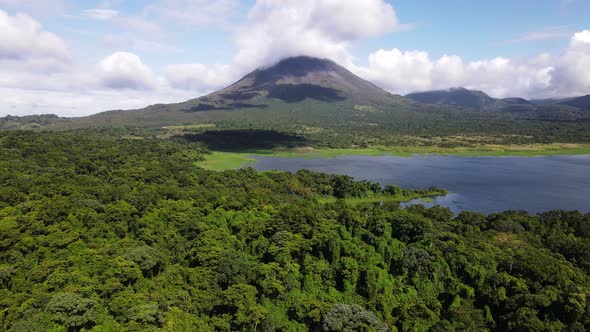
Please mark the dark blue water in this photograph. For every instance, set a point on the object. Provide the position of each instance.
(484, 184)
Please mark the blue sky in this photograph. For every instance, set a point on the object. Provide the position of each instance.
(480, 29)
(472, 29)
(105, 54)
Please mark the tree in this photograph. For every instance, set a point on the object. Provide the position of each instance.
(72, 311)
(147, 314)
(240, 301)
(409, 227)
(351, 317)
(149, 260)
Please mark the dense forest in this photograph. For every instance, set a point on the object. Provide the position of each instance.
(319, 125)
(100, 233)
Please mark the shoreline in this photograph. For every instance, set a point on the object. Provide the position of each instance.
(225, 160)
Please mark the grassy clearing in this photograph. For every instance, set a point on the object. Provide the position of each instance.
(231, 160)
(193, 126)
(219, 161)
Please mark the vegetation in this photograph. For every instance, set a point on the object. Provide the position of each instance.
(105, 234)
(386, 195)
(223, 160)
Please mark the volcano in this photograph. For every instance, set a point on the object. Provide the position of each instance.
(296, 79)
(316, 87)
(292, 81)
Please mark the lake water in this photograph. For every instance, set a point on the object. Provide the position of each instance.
(484, 184)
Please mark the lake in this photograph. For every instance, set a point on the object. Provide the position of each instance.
(483, 184)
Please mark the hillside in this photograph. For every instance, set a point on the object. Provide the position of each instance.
(580, 102)
(31, 122)
(460, 97)
(560, 110)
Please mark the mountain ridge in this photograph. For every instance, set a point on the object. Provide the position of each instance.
(565, 109)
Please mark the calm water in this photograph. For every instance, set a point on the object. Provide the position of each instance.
(484, 184)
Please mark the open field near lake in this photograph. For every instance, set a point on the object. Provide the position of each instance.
(222, 160)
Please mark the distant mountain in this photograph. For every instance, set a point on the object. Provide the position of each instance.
(549, 109)
(580, 102)
(30, 122)
(517, 101)
(460, 97)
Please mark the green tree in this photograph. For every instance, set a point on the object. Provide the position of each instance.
(73, 311)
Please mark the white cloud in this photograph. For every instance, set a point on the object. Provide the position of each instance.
(100, 14)
(155, 27)
(113, 41)
(279, 28)
(80, 103)
(123, 70)
(403, 72)
(350, 20)
(323, 28)
(538, 76)
(549, 33)
(395, 69)
(142, 27)
(198, 77)
(572, 72)
(194, 12)
(37, 7)
(23, 38)
(38, 76)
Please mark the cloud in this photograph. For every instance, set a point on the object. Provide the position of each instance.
(351, 20)
(280, 28)
(141, 27)
(571, 75)
(323, 28)
(539, 76)
(409, 71)
(23, 38)
(198, 77)
(37, 7)
(100, 14)
(113, 41)
(79, 103)
(194, 12)
(549, 33)
(38, 75)
(154, 28)
(123, 70)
